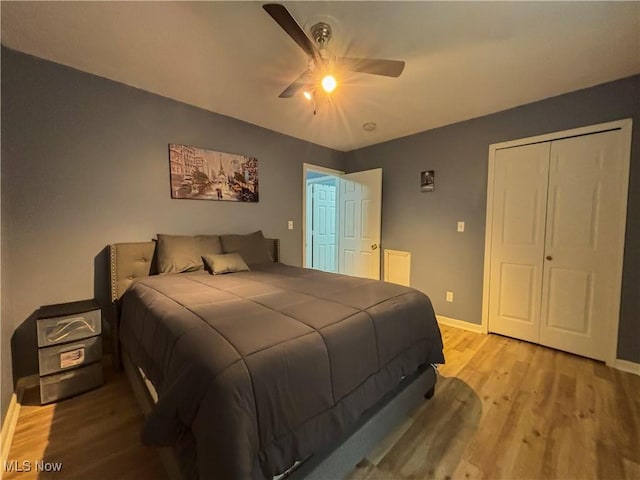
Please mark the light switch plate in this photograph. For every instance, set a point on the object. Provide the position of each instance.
(449, 296)
(461, 226)
(290, 225)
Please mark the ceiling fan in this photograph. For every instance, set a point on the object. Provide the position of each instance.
(320, 71)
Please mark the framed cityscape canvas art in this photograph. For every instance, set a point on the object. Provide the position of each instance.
(202, 174)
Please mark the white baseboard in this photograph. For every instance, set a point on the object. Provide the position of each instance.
(11, 419)
(453, 322)
(8, 427)
(626, 366)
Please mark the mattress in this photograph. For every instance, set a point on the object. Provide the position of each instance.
(258, 370)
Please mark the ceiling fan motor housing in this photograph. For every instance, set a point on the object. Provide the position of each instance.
(321, 33)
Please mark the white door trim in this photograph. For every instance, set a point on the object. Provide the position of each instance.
(625, 127)
(309, 167)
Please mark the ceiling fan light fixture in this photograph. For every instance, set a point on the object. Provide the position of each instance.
(329, 83)
(321, 59)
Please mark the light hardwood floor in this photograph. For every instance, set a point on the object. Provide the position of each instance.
(95, 435)
(503, 409)
(506, 409)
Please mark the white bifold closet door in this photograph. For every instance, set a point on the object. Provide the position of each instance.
(517, 249)
(558, 217)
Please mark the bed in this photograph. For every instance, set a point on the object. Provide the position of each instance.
(255, 372)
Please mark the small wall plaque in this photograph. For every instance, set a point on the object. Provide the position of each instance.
(427, 179)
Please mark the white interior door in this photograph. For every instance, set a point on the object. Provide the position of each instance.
(517, 247)
(585, 217)
(314, 174)
(324, 227)
(360, 220)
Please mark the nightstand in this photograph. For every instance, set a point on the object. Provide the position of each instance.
(69, 349)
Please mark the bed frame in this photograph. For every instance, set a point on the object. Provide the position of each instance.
(129, 261)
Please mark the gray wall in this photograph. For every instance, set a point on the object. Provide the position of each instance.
(85, 163)
(425, 223)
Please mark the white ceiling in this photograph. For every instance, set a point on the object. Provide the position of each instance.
(463, 59)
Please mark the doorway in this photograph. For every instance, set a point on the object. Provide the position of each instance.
(341, 221)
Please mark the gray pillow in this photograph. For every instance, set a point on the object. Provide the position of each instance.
(252, 247)
(182, 253)
(225, 263)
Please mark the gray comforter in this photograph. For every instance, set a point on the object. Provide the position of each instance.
(256, 370)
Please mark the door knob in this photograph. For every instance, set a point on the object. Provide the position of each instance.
(549, 257)
(374, 246)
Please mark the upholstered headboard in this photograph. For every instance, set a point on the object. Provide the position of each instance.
(129, 261)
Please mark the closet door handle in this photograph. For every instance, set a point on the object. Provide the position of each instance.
(549, 257)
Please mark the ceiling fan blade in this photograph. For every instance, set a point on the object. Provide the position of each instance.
(283, 18)
(300, 82)
(388, 68)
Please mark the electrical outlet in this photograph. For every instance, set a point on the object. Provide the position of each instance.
(290, 225)
(461, 226)
(449, 296)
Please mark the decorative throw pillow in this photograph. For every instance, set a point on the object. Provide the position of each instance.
(252, 247)
(225, 263)
(182, 253)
